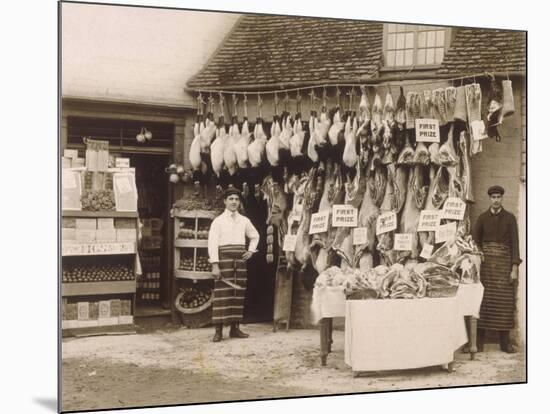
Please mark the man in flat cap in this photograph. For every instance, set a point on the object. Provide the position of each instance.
(228, 255)
(496, 232)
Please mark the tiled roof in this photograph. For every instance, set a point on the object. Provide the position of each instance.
(480, 50)
(273, 50)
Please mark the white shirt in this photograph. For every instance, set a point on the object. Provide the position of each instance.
(230, 228)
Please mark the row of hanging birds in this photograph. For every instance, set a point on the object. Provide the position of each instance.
(379, 132)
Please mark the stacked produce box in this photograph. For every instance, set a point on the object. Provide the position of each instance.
(87, 314)
(148, 287)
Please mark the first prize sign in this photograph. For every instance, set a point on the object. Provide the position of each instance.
(344, 216)
(319, 222)
(453, 209)
(427, 130)
(386, 222)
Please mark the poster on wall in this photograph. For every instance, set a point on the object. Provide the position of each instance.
(124, 185)
(71, 190)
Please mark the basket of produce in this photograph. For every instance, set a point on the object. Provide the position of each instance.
(195, 306)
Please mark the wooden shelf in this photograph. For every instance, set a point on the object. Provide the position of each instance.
(97, 248)
(191, 243)
(206, 214)
(89, 214)
(100, 330)
(98, 288)
(189, 274)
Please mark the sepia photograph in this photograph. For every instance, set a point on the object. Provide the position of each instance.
(257, 206)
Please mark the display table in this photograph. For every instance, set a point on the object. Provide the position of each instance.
(391, 334)
(330, 302)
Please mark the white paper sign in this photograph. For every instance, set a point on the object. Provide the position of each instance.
(289, 244)
(453, 209)
(478, 130)
(427, 130)
(69, 180)
(429, 220)
(319, 222)
(427, 251)
(403, 241)
(344, 215)
(359, 235)
(123, 185)
(445, 232)
(386, 222)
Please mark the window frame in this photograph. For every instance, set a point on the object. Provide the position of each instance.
(449, 33)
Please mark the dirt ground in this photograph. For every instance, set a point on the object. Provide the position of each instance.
(181, 366)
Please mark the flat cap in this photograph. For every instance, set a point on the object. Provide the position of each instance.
(231, 191)
(495, 189)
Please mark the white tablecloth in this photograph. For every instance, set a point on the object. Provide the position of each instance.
(385, 334)
(469, 298)
(328, 302)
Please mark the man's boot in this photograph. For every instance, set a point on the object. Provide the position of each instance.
(505, 344)
(480, 339)
(235, 332)
(218, 334)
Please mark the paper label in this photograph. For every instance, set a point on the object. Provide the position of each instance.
(69, 180)
(123, 185)
(445, 232)
(429, 220)
(359, 235)
(344, 215)
(83, 311)
(403, 241)
(104, 308)
(427, 251)
(453, 209)
(427, 130)
(289, 244)
(319, 222)
(386, 222)
(478, 130)
(122, 162)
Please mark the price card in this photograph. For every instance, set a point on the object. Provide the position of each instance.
(478, 130)
(445, 232)
(403, 241)
(69, 180)
(344, 215)
(319, 222)
(427, 130)
(429, 220)
(386, 222)
(359, 235)
(427, 251)
(289, 244)
(453, 209)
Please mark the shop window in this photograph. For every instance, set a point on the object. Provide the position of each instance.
(119, 132)
(408, 45)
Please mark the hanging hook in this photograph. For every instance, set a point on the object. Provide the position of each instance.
(211, 103)
(259, 105)
(312, 98)
(245, 109)
(338, 93)
(507, 77)
(235, 100)
(276, 102)
(298, 101)
(287, 98)
(200, 102)
(324, 96)
(221, 104)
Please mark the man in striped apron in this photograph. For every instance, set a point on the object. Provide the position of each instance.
(496, 232)
(228, 255)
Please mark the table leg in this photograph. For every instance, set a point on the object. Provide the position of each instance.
(473, 337)
(329, 335)
(323, 329)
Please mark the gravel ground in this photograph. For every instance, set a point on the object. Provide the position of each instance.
(181, 366)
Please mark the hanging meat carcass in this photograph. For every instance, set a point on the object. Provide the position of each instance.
(277, 213)
(466, 176)
(414, 108)
(297, 189)
(364, 131)
(447, 152)
(428, 237)
(399, 174)
(384, 246)
(407, 154)
(473, 105)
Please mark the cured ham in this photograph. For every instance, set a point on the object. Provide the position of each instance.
(388, 255)
(425, 236)
(302, 251)
(297, 188)
(407, 154)
(447, 152)
(368, 213)
(274, 144)
(399, 174)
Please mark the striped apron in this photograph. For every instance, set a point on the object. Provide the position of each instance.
(498, 305)
(228, 302)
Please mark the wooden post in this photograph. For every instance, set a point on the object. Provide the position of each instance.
(323, 330)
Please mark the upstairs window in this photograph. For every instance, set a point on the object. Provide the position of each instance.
(409, 45)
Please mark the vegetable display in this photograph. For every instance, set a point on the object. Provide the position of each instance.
(193, 298)
(98, 200)
(96, 273)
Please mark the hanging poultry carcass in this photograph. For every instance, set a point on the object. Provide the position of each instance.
(229, 153)
(286, 133)
(195, 150)
(208, 133)
(350, 150)
(256, 149)
(363, 130)
(274, 144)
(336, 127)
(297, 138)
(217, 147)
(312, 153)
(377, 115)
